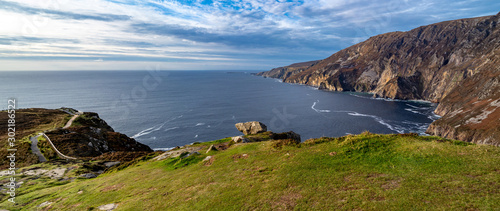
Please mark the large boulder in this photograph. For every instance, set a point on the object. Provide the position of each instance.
(250, 128)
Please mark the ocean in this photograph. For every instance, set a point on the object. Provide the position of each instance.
(164, 109)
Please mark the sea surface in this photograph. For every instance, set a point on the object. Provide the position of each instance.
(164, 109)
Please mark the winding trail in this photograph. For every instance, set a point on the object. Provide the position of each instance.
(34, 140)
(36, 150)
(68, 124)
(61, 155)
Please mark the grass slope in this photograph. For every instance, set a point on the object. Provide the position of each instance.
(361, 172)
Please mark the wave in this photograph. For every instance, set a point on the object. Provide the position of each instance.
(375, 98)
(414, 111)
(155, 128)
(172, 128)
(425, 111)
(389, 99)
(149, 130)
(379, 120)
(200, 124)
(414, 107)
(434, 116)
(318, 110)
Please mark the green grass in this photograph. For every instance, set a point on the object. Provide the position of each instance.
(355, 172)
(208, 143)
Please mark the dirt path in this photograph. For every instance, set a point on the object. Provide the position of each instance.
(68, 124)
(61, 155)
(36, 150)
(34, 140)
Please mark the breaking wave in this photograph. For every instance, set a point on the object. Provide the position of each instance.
(318, 110)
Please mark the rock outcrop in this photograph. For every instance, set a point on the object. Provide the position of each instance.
(251, 128)
(238, 139)
(286, 135)
(455, 63)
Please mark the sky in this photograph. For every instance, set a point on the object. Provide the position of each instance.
(203, 34)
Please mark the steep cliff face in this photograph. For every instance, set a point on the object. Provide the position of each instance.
(455, 63)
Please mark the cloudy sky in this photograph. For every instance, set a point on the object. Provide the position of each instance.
(203, 34)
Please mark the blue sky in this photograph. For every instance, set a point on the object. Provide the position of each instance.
(203, 34)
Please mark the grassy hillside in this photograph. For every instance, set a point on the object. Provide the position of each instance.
(361, 172)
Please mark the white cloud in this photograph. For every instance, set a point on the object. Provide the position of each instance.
(222, 34)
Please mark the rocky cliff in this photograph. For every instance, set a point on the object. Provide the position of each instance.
(455, 63)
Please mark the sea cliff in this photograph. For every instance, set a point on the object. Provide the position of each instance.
(454, 63)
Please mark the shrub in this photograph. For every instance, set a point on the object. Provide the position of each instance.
(278, 144)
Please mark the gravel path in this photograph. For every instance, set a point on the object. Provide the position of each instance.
(36, 150)
(68, 124)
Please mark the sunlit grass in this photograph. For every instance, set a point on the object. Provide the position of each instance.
(366, 171)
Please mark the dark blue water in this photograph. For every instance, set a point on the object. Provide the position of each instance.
(171, 108)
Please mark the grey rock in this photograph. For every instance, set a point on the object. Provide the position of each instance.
(88, 175)
(207, 158)
(109, 164)
(238, 139)
(191, 153)
(108, 207)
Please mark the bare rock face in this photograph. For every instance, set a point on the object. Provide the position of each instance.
(250, 128)
(455, 63)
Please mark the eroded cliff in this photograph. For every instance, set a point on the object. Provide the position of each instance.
(455, 63)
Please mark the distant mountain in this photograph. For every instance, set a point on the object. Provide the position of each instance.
(455, 63)
(287, 71)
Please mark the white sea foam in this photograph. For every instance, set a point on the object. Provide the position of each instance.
(154, 128)
(318, 110)
(172, 128)
(379, 120)
(413, 111)
(434, 116)
(200, 124)
(415, 107)
(149, 130)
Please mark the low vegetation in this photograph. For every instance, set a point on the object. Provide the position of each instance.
(29, 122)
(354, 172)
